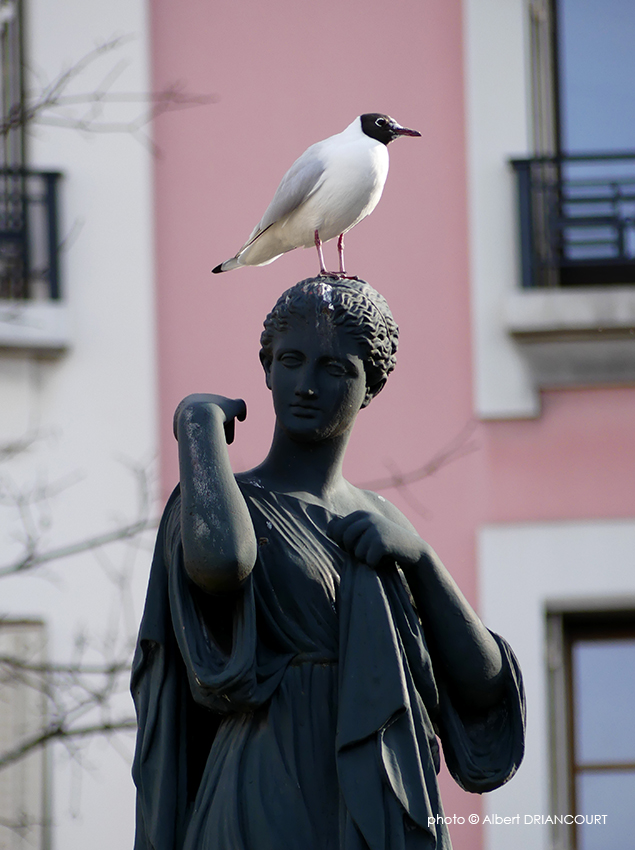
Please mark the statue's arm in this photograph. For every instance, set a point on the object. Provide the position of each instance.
(219, 543)
(459, 642)
(468, 656)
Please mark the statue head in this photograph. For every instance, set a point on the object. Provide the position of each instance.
(352, 305)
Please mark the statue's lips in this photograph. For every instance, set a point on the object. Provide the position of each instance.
(304, 410)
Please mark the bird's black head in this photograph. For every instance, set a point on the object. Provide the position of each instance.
(383, 128)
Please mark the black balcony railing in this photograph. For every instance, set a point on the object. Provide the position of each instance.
(577, 219)
(29, 244)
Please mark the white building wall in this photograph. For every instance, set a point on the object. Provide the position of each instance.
(92, 409)
(497, 92)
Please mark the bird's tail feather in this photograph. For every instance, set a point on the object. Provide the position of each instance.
(227, 266)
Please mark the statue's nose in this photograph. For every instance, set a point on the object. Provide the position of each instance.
(307, 386)
(306, 392)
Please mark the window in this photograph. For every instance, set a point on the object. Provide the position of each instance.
(12, 231)
(574, 320)
(12, 89)
(593, 727)
(530, 331)
(23, 817)
(596, 66)
(31, 315)
(577, 196)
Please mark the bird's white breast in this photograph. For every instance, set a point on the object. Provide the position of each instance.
(355, 172)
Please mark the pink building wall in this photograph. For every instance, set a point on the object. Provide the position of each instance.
(287, 74)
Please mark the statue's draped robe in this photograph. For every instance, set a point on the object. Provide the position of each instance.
(301, 712)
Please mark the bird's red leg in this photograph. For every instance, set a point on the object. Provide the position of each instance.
(318, 245)
(340, 252)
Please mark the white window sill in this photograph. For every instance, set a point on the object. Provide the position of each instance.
(34, 326)
(577, 337)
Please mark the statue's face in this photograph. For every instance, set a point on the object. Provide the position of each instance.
(317, 379)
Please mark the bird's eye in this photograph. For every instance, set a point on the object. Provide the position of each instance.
(381, 122)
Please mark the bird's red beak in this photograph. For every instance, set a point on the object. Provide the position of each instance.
(404, 131)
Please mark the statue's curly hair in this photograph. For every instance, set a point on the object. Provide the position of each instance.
(350, 304)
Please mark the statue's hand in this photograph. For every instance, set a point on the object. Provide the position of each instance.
(373, 539)
(227, 409)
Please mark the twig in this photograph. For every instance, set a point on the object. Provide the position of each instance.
(15, 663)
(458, 447)
(59, 731)
(32, 559)
(53, 96)
(16, 447)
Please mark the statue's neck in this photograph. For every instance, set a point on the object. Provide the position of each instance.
(304, 467)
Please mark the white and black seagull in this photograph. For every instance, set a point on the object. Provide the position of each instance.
(327, 191)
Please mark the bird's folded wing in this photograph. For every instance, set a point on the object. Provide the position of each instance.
(298, 184)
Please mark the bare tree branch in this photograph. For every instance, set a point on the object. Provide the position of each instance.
(53, 105)
(33, 559)
(22, 824)
(78, 695)
(16, 664)
(17, 447)
(458, 447)
(74, 699)
(60, 732)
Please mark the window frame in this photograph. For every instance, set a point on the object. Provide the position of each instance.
(565, 625)
(23, 714)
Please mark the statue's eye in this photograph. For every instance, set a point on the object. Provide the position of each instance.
(381, 122)
(335, 368)
(289, 359)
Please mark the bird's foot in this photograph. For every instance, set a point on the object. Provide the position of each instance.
(338, 275)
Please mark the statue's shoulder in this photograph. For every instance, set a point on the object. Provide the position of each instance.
(371, 501)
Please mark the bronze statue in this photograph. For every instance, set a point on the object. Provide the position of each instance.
(302, 647)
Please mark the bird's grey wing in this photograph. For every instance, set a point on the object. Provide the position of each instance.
(299, 183)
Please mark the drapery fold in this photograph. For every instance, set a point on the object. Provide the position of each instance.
(213, 713)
